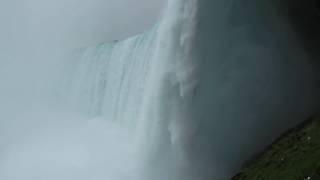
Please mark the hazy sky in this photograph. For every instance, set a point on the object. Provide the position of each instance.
(76, 22)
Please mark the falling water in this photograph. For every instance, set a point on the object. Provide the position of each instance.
(192, 98)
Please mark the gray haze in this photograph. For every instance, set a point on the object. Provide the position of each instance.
(75, 22)
(40, 137)
(222, 82)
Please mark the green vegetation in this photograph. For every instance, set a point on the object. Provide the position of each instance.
(294, 156)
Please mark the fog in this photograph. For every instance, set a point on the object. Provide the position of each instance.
(76, 22)
(213, 83)
(40, 136)
(66, 147)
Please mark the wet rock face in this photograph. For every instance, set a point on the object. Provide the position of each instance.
(305, 18)
(317, 5)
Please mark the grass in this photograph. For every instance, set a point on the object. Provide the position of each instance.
(294, 156)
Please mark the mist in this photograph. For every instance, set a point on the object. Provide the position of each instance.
(76, 23)
(41, 136)
(119, 90)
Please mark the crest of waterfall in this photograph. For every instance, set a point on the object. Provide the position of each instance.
(213, 83)
(203, 90)
(108, 80)
(145, 83)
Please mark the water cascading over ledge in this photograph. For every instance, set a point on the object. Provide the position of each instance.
(214, 82)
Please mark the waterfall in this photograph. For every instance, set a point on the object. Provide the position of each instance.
(211, 84)
(204, 87)
(134, 82)
(201, 90)
(108, 80)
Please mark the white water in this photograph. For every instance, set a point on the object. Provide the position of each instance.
(192, 98)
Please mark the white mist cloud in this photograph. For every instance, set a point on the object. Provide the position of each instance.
(70, 148)
(40, 139)
(76, 22)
